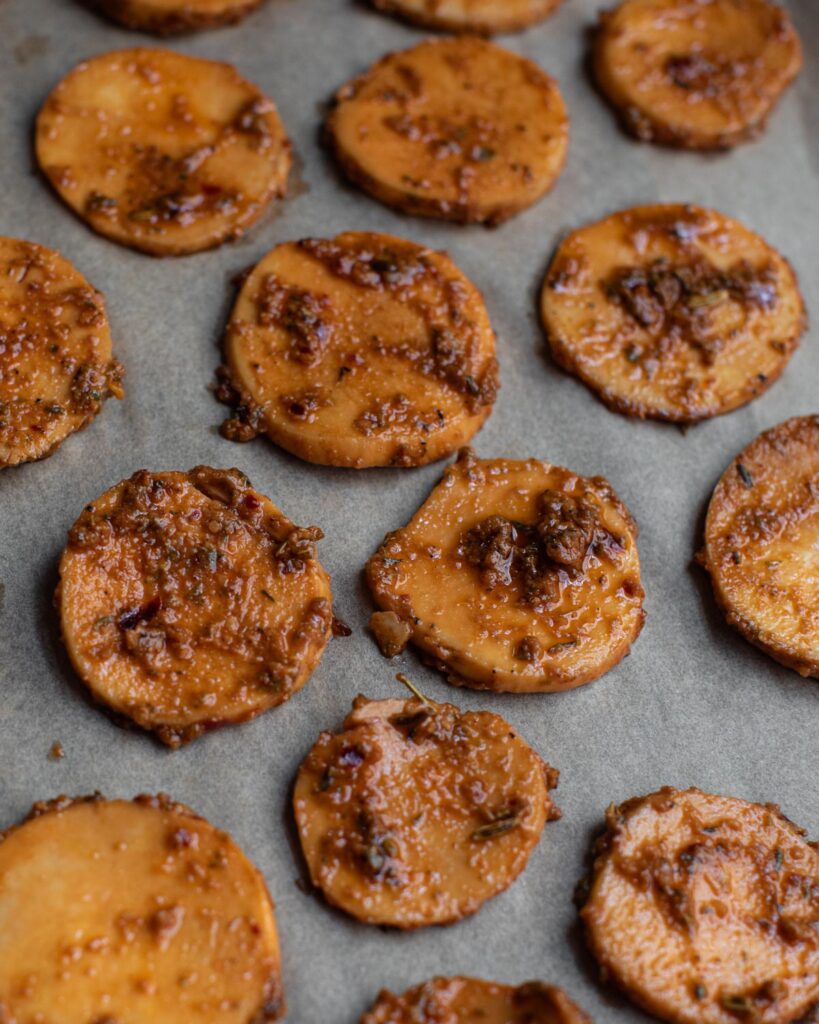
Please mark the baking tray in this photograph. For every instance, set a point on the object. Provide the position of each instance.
(694, 704)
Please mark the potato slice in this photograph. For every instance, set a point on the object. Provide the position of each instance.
(762, 543)
(515, 576)
(187, 601)
(118, 911)
(703, 909)
(469, 1000)
(457, 129)
(484, 17)
(362, 350)
(376, 842)
(161, 152)
(171, 17)
(700, 74)
(56, 368)
(671, 312)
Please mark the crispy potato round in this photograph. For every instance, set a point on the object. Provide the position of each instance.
(671, 312)
(762, 543)
(188, 601)
(516, 576)
(704, 908)
(172, 17)
(700, 74)
(56, 368)
(468, 1000)
(133, 911)
(456, 128)
(378, 845)
(164, 153)
(483, 17)
(362, 350)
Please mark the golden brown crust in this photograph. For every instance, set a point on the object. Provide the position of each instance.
(761, 543)
(115, 909)
(161, 152)
(362, 350)
(515, 576)
(376, 844)
(188, 601)
(671, 312)
(462, 1000)
(481, 17)
(174, 17)
(704, 908)
(697, 74)
(457, 129)
(56, 366)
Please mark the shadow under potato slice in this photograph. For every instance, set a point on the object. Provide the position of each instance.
(416, 813)
(703, 909)
(140, 910)
(362, 350)
(56, 366)
(161, 152)
(188, 601)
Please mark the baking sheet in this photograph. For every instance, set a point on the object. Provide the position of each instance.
(693, 705)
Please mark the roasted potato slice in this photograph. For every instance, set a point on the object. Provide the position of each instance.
(133, 911)
(699, 74)
(161, 152)
(671, 312)
(704, 909)
(516, 576)
(483, 17)
(362, 350)
(376, 842)
(187, 601)
(56, 368)
(469, 1000)
(762, 543)
(172, 17)
(456, 128)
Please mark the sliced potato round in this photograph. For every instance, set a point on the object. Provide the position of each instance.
(362, 350)
(469, 1000)
(188, 601)
(703, 909)
(171, 17)
(700, 74)
(515, 576)
(671, 312)
(456, 128)
(762, 543)
(161, 152)
(416, 813)
(133, 911)
(483, 17)
(56, 368)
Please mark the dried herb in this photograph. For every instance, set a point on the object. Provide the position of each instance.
(747, 479)
(496, 828)
(736, 1004)
(412, 688)
(267, 594)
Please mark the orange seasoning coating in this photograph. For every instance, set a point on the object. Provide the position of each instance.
(133, 911)
(762, 543)
(161, 152)
(472, 1000)
(188, 601)
(700, 74)
(515, 575)
(56, 367)
(671, 312)
(416, 813)
(482, 17)
(704, 909)
(455, 128)
(362, 350)
(171, 17)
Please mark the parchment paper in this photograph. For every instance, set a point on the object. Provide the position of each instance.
(693, 705)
